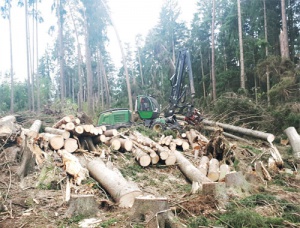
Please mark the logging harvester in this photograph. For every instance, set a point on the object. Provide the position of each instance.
(181, 101)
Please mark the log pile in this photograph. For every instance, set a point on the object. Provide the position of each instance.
(212, 158)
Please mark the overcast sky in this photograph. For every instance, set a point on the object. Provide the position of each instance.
(130, 16)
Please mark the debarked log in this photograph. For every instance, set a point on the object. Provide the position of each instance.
(122, 191)
(189, 170)
(294, 140)
(257, 134)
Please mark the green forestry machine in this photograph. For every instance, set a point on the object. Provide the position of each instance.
(148, 109)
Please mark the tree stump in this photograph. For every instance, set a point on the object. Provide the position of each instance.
(84, 205)
(155, 212)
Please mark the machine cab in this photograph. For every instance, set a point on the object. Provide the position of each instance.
(147, 107)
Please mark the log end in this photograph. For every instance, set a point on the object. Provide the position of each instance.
(127, 200)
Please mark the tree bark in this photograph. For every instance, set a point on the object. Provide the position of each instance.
(55, 131)
(213, 75)
(242, 67)
(294, 140)
(189, 170)
(257, 134)
(284, 41)
(122, 191)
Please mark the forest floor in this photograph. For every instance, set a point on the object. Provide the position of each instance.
(272, 203)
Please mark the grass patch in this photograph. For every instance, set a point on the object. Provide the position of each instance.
(108, 223)
(132, 170)
(197, 222)
(252, 149)
(248, 218)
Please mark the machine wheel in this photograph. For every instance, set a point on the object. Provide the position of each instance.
(158, 127)
(176, 129)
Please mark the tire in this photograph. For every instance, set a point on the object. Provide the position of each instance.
(158, 127)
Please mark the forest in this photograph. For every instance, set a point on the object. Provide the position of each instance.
(245, 60)
(234, 165)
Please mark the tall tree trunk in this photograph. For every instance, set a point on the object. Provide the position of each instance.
(79, 62)
(284, 43)
(88, 69)
(267, 52)
(213, 76)
(37, 63)
(242, 67)
(123, 57)
(27, 52)
(32, 62)
(11, 63)
(141, 66)
(105, 80)
(202, 72)
(61, 51)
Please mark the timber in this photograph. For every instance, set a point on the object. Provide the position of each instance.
(294, 140)
(122, 191)
(203, 165)
(70, 145)
(143, 158)
(253, 133)
(55, 131)
(189, 170)
(213, 170)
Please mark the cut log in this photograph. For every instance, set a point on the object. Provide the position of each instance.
(111, 133)
(34, 129)
(57, 142)
(9, 130)
(70, 145)
(126, 144)
(73, 166)
(218, 191)
(203, 165)
(143, 158)
(189, 170)
(294, 140)
(178, 141)
(253, 133)
(213, 170)
(6, 119)
(55, 131)
(99, 130)
(189, 137)
(114, 144)
(168, 140)
(122, 191)
(172, 146)
(171, 160)
(162, 152)
(185, 146)
(70, 126)
(78, 130)
(64, 120)
(224, 170)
